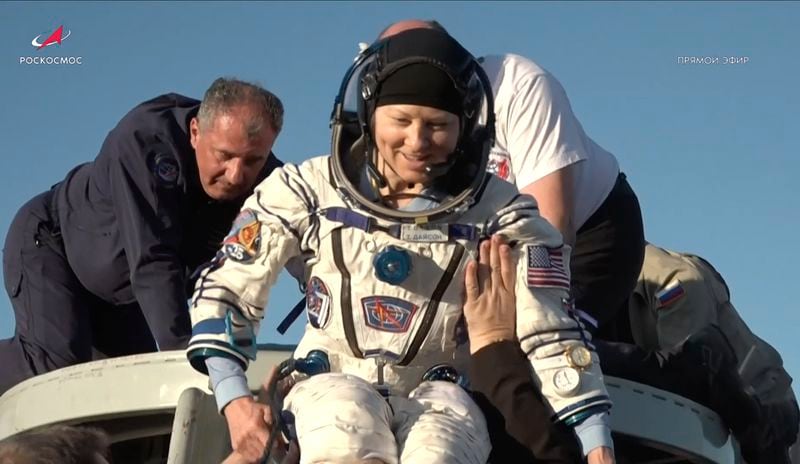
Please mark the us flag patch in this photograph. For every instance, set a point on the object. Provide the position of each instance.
(546, 267)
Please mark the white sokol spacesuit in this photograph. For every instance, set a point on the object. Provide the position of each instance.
(385, 287)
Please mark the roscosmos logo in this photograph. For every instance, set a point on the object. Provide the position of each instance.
(44, 40)
(53, 37)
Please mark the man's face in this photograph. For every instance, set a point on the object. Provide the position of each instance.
(227, 159)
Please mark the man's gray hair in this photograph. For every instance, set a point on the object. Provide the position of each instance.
(57, 443)
(226, 93)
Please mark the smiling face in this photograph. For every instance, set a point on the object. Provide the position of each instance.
(228, 158)
(409, 138)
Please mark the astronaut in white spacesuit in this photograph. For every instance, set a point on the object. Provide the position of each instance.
(385, 227)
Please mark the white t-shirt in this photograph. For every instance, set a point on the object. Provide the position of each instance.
(537, 134)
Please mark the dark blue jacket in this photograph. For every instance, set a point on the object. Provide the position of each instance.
(136, 221)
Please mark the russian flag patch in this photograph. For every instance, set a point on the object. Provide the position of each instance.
(672, 293)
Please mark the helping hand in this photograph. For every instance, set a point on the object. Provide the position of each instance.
(250, 424)
(490, 306)
(601, 455)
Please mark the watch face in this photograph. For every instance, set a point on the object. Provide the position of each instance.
(566, 381)
(579, 356)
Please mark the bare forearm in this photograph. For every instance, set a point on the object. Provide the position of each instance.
(561, 220)
(554, 193)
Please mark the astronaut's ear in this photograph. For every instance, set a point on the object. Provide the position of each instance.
(194, 130)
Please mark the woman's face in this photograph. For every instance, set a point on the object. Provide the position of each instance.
(410, 138)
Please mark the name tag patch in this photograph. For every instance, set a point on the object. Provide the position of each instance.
(424, 232)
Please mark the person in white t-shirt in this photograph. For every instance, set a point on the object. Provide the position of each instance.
(542, 148)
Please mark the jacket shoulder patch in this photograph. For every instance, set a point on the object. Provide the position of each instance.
(670, 294)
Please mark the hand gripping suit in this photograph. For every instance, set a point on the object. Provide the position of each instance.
(385, 337)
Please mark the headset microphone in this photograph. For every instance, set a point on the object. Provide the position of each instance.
(375, 177)
(440, 169)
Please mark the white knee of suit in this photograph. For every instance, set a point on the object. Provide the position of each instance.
(440, 423)
(340, 418)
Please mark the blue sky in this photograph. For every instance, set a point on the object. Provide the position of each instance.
(710, 149)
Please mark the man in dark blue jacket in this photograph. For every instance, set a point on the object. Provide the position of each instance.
(100, 265)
